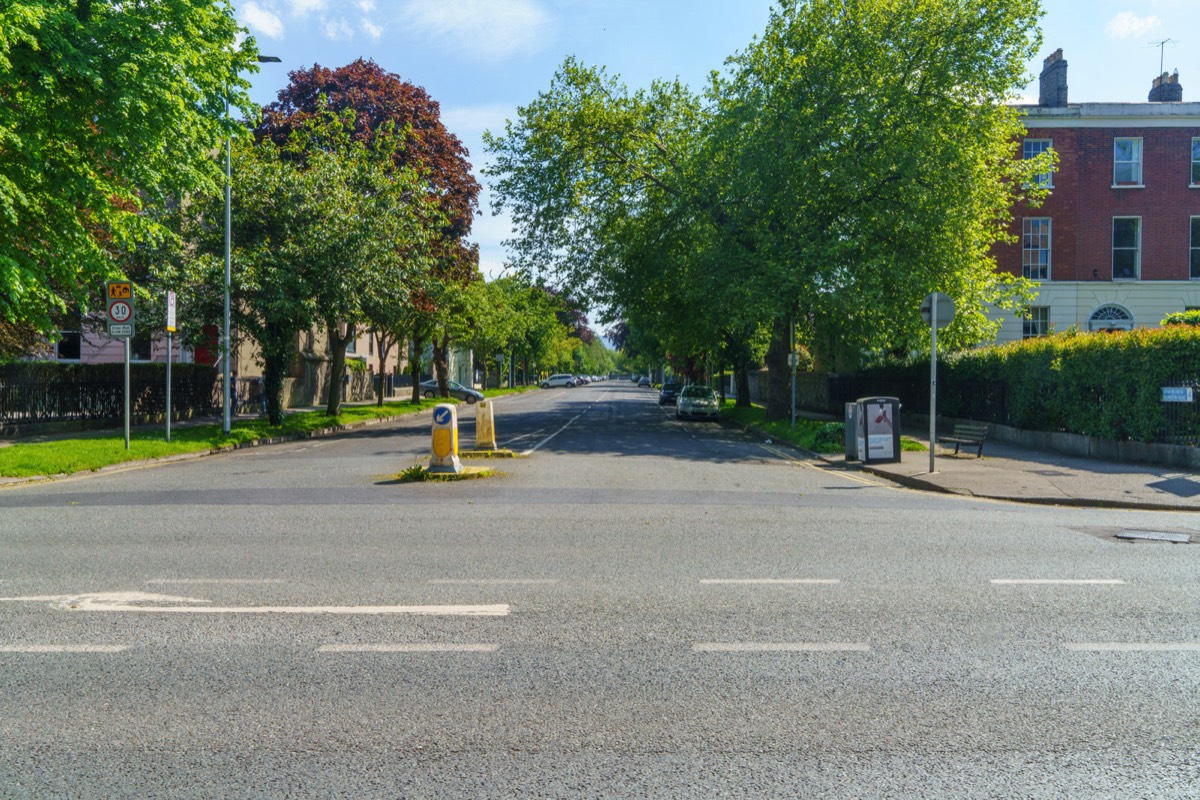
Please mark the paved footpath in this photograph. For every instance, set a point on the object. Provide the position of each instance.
(1008, 472)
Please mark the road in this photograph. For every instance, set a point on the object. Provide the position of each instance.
(639, 608)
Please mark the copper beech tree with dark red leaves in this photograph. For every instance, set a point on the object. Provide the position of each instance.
(377, 98)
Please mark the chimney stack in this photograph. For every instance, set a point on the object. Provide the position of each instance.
(1052, 91)
(1166, 89)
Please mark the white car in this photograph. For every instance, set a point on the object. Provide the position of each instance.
(697, 401)
(562, 379)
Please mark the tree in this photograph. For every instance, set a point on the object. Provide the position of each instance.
(109, 107)
(891, 119)
(381, 101)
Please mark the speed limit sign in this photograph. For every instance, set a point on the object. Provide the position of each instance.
(119, 295)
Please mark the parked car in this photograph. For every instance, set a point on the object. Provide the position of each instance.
(562, 379)
(697, 401)
(644, 381)
(582, 380)
(666, 397)
(457, 390)
(635, 378)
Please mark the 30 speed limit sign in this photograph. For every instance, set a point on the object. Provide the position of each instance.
(119, 296)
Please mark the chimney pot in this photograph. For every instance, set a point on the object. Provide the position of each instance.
(1052, 87)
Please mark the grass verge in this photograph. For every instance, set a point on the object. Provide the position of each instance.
(82, 453)
(419, 473)
(812, 435)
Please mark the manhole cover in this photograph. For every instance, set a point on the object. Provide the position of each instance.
(1156, 536)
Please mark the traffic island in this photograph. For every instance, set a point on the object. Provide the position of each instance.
(419, 473)
(488, 454)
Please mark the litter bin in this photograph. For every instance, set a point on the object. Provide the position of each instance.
(878, 429)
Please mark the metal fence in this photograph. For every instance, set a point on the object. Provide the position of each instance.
(33, 393)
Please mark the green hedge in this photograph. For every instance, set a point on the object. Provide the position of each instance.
(1097, 384)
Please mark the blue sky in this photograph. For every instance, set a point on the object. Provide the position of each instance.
(482, 58)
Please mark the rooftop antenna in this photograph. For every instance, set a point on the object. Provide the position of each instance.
(1162, 46)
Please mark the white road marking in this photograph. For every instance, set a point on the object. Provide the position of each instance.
(63, 648)
(408, 648)
(571, 422)
(1057, 582)
(781, 647)
(492, 581)
(1134, 647)
(229, 581)
(769, 581)
(128, 601)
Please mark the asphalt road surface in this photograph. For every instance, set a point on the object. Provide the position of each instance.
(638, 608)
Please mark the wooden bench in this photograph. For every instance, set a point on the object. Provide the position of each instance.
(970, 434)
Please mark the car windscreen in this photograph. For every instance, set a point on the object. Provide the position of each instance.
(697, 392)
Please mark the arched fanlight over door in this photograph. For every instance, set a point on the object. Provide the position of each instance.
(1110, 317)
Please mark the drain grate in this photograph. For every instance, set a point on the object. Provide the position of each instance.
(1155, 536)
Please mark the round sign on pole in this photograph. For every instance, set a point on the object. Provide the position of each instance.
(120, 311)
(945, 309)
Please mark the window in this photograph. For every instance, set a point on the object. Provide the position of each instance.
(70, 344)
(1035, 248)
(1195, 272)
(1196, 161)
(1127, 248)
(1034, 148)
(1037, 321)
(139, 346)
(1127, 162)
(1110, 318)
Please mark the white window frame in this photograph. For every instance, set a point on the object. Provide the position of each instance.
(58, 356)
(1137, 250)
(1044, 180)
(1194, 251)
(1195, 184)
(1027, 234)
(1035, 322)
(1136, 162)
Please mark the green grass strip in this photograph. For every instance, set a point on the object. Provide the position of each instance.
(812, 435)
(81, 453)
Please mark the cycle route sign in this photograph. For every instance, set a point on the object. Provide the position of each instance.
(119, 314)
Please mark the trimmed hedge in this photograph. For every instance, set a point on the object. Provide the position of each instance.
(1096, 384)
(34, 392)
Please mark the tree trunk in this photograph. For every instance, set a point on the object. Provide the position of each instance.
(441, 364)
(277, 348)
(778, 386)
(385, 347)
(337, 364)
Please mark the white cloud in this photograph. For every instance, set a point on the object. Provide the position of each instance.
(337, 28)
(1128, 25)
(491, 29)
(371, 29)
(260, 20)
(365, 6)
(302, 8)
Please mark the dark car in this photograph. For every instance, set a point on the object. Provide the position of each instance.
(430, 390)
(669, 392)
(644, 381)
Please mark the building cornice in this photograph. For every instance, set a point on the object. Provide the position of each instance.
(1111, 115)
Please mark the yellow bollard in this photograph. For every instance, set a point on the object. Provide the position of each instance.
(485, 426)
(445, 440)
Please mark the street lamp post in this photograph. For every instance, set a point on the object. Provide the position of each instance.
(227, 422)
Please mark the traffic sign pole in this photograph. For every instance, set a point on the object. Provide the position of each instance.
(170, 330)
(126, 392)
(933, 326)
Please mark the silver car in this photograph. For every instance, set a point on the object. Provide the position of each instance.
(562, 379)
(697, 401)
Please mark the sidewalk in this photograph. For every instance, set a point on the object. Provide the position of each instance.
(1008, 472)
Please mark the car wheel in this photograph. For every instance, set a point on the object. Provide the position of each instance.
(429, 395)
(545, 386)
(470, 399)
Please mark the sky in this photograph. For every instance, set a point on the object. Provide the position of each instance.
(481, 59)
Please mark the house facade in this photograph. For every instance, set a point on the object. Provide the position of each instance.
(1116, 244)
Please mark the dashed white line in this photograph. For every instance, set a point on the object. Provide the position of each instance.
(781, 647)
(408, 648)
(1133, 647)
(225, 581)
(769, 581)
(492, 581)
(1057, 581)
(63, 648)
(449, 611)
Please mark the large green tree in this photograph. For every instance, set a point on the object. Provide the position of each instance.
(108, 107)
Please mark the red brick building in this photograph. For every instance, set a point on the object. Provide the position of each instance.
(1117, 242)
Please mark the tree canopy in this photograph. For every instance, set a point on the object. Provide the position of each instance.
(108, 107)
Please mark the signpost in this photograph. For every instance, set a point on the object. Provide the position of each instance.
(937, 310)
(120, 319)
(170, 330)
